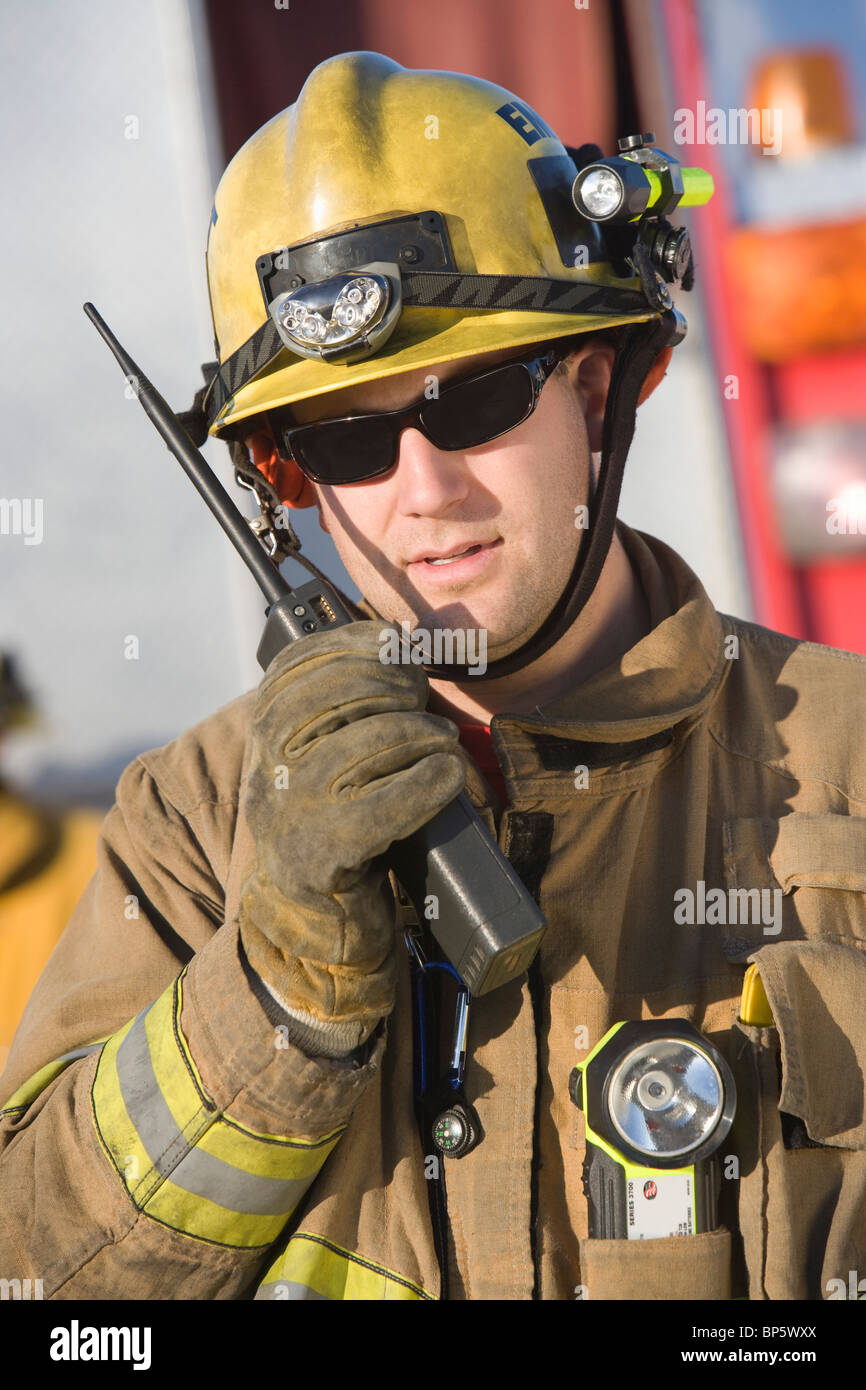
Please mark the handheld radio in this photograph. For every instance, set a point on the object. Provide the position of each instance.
(489, 926)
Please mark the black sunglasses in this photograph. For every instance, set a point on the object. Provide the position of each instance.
(469, 412)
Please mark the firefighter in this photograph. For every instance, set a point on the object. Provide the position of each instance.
(46, 858)
(416, 336)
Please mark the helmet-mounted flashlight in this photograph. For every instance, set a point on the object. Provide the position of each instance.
(630, 197)
(344, 316)
(639, 180)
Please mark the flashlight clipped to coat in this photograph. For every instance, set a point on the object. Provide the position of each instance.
(659, 1101)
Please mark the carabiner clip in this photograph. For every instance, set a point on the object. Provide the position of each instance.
(456, 1128)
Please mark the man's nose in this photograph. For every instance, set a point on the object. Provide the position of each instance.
(429, 480)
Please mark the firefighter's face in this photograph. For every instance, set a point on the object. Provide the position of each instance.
(511, 502)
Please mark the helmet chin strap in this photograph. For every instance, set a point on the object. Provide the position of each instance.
(642, 345)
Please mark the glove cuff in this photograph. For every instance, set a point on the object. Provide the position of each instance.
(318, 1039)
(340, 1001)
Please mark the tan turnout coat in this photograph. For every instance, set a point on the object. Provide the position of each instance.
(714, 752)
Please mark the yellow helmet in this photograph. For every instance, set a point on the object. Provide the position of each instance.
(451, 188)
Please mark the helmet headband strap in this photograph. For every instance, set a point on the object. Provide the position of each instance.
(442, 290)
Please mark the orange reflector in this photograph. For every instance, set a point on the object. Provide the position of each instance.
(810, 88)
(801, 289)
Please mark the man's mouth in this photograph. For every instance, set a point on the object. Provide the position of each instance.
(452, 555)
(449, 559)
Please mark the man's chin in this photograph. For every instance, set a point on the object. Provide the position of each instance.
(455, 620)
(469, 616)
(453, 617)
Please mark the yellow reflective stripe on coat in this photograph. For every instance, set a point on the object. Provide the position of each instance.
(182, 1162)
(313, 1268)
(24, 1097)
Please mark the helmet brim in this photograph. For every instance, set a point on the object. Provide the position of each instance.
(423, 338)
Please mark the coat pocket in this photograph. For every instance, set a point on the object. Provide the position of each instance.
(800, 877)
(801, 1122)
(672, 1267)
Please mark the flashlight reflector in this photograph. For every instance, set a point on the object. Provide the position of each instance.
(665, 1098)
(602, 192)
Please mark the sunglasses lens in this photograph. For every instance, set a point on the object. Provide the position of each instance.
(473, 412)
(345, 451)
(465, 415)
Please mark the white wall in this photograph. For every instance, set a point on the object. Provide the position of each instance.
(109, 185)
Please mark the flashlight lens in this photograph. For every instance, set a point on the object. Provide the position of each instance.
(665, 1097)
(601, 192)
(331, 312)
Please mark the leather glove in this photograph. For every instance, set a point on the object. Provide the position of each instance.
(345, 761)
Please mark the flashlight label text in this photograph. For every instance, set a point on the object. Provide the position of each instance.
(663, 1205)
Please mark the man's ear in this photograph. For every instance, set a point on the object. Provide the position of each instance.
(593, 382)
(292, 487)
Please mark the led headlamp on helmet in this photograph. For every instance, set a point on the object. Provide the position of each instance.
(356, 236)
